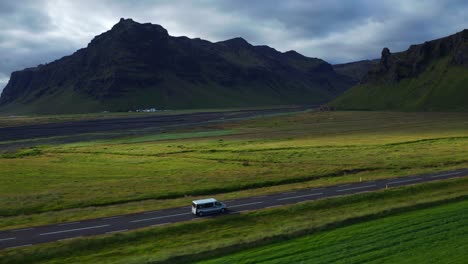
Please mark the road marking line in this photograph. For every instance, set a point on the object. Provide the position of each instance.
(116, 231)
(72, 230)
(245, 204)
(10, 238)
(362, 187)
(27, 245)
(243, 211)
(410, 180)
(159, 217)
(72, 223)
(446, 174)
(24, 229)
(299, 196)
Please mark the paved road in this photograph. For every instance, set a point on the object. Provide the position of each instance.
(35, 235)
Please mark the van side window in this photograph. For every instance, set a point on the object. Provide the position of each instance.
(217, 203)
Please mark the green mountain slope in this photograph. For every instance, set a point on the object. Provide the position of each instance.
(429, 77)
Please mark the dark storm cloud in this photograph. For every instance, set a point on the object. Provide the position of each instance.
(34, 32)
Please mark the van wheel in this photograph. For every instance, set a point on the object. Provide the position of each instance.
(223, 210)
(200, 214)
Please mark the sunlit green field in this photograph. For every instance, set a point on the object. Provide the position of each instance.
(230, 159)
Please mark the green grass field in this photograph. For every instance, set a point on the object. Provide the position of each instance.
(235, 159)
(433, 235)
(70, 182)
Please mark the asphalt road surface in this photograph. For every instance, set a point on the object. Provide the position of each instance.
(121, 223)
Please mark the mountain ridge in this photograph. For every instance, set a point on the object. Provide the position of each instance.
(136, 65)
(356, 70)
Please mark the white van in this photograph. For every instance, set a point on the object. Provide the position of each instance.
(207, 206)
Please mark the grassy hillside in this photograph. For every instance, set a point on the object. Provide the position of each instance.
(441, 87)
(174, 94)
(435, 235)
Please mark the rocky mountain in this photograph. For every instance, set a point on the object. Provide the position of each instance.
(136, 66)
(355, 70)
(432, 76)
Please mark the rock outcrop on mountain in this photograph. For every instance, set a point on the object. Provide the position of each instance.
(412, 62)
(432, 76)
(136, 66)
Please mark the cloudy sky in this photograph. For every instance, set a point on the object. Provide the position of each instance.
(36, 31)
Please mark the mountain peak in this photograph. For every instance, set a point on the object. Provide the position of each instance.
(293, 53)
(236, 42)
(128, 23)
(129, 31)
(125, 23)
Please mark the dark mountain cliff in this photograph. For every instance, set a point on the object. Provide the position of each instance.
(135, 66)
(409, 64)
(355, 70)
(432, 76)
